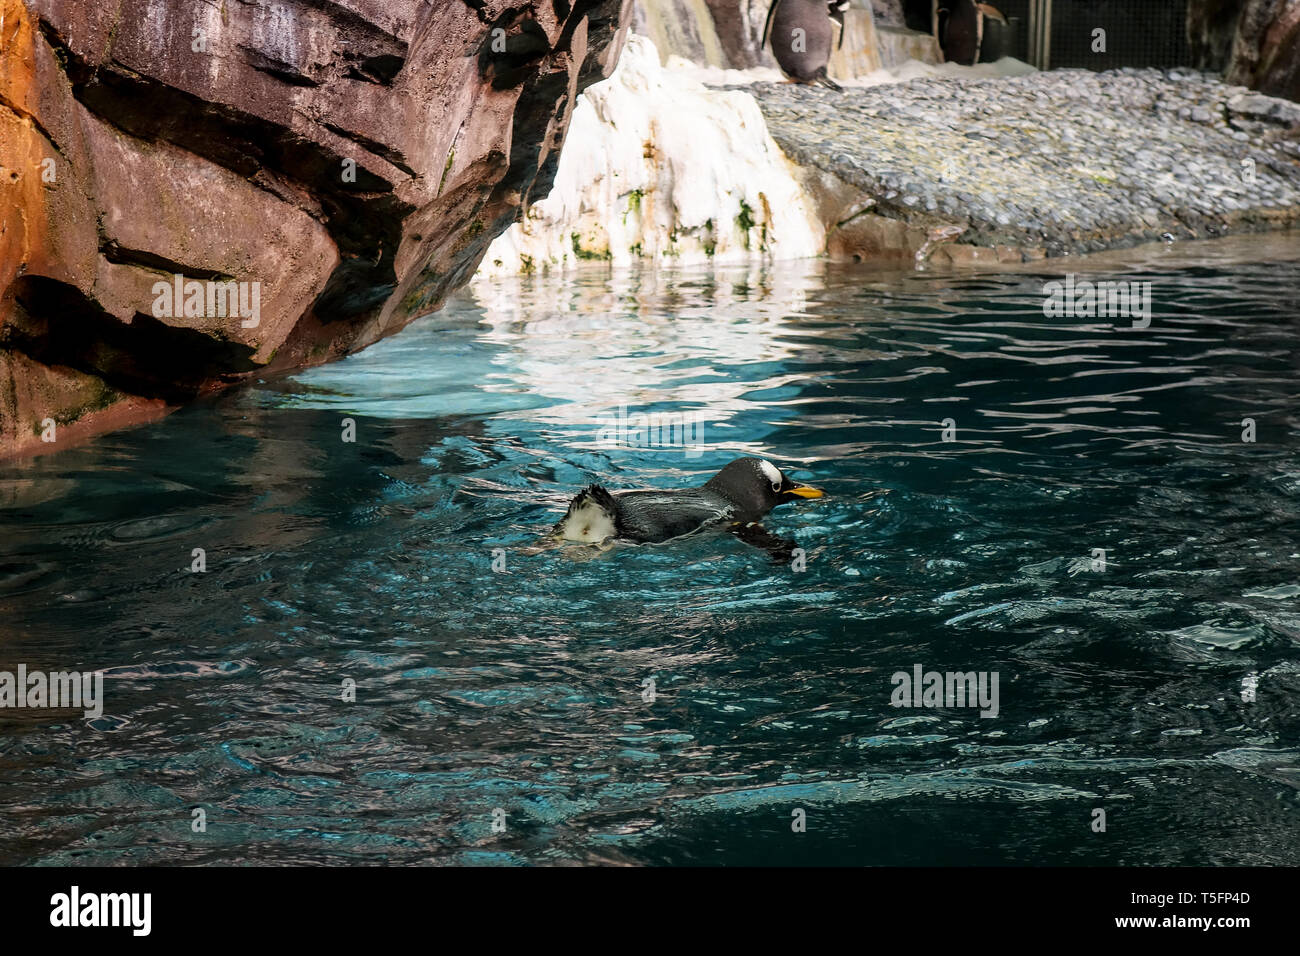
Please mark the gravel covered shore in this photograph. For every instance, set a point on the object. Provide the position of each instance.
(1051, 163)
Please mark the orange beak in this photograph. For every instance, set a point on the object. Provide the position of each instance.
(807, 491)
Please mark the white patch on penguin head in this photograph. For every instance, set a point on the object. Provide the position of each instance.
(772, 472)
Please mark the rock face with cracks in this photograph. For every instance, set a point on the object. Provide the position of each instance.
(343, 164)
(1256, 42)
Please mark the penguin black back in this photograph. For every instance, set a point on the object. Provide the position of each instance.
(960, 29)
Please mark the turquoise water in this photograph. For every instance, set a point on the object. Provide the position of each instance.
(524, 691)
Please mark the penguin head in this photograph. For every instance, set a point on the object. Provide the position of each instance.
(756, 486)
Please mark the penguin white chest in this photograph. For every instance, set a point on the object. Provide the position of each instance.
(588, 523)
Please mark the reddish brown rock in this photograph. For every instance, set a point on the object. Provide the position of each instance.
(1255, 42)
(351, 160)
(1266, 54)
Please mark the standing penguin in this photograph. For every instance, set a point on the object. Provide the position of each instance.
(802, 37)
(959, 28)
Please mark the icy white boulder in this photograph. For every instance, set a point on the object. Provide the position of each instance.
(660, 167)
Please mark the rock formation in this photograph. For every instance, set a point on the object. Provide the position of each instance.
(334, 167)
(1256, 42)
(956, 166)
(1266, 53)
(672, 172)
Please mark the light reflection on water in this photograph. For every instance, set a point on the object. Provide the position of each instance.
(524, 690)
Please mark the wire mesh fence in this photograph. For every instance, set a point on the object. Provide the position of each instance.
(1091, 34)
(1107, 34)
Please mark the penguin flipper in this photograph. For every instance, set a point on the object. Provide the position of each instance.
(593, 517)
(767, 27)
(836, 10)
(780, 550)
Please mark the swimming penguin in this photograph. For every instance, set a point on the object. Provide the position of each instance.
(801, 37)
(735, 499)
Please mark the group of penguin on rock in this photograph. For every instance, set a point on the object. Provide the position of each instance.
(802, 36)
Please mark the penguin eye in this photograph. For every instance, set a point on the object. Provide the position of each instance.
(772, 473)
